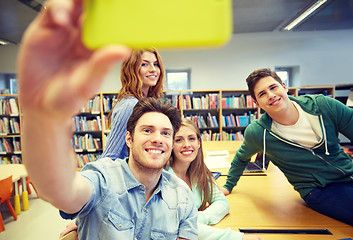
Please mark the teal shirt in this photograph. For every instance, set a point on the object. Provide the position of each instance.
(218, 208)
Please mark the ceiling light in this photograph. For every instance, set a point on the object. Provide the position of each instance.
(304, 15)
(2, 42)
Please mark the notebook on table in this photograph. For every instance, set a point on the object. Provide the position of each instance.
(260, 164)
(216, 174)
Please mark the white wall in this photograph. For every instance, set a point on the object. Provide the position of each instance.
(323, 57)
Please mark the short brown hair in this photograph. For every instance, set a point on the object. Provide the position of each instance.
(150, 104)
(256, 75)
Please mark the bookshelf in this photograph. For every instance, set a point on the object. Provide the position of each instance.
(10, 129)
(342, 92)
(220, 114)
(237, 111)
(214, 111)
(293, 91)
(328, 90)
(87, 137)
(108, 101)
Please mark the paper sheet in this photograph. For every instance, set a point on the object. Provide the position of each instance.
(216, 162)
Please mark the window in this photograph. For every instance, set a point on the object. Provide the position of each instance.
(285, 75)
(178, 79)
(290, 75)
(8, 83)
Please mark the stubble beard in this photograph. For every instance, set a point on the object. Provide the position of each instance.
(144, 166)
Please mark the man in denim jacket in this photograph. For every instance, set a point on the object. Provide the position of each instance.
(124, 199)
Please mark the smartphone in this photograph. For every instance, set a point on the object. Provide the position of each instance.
(157, 23)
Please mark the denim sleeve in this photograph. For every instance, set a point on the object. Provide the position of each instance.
(188, 226)
(99, 187)
(116, 145)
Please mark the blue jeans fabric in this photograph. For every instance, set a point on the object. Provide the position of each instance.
(335, 200)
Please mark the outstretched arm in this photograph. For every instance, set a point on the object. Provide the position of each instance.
(57, 75)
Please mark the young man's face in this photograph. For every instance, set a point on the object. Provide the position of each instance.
(270, 95)
(152, 143)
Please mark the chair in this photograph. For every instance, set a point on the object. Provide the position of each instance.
(6, 188)
(28, 182)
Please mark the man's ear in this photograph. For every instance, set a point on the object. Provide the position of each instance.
(285, 87)
(128, 139)
(257, 105)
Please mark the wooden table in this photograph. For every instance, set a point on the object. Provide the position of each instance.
(270, 202)
(18, 172)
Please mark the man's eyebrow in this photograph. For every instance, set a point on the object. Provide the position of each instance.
(262, 91)
(153, 126)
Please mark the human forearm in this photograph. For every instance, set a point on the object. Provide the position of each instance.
(234, 174)
(50, 161)
(216, 211)
(57, 74)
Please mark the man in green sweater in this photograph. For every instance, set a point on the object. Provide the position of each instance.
(300, 136)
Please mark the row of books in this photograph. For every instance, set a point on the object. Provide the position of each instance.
(92, 106)
(86, 143)
(10, 160)
(109, 102)
(106, 125)
(208, 135)
(83, 159)
(82, 123)
(10, 145)
(199, 120)
(8, 106)
(237, 136)
(242, 101)
(209, 101)
(238, 120)
(173, 99)
(9, 126)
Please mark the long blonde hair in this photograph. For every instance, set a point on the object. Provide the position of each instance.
(198, 171)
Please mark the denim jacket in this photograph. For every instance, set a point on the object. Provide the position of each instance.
(118, 209)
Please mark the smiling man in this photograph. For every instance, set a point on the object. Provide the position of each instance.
(130, 198)
(299, 135)
(134, 198)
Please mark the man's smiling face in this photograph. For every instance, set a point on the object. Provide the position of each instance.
(152, 142)
(271, 96)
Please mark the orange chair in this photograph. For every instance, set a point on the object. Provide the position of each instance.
(28, 181)
(6, 188)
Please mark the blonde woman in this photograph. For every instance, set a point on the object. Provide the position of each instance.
(188, 164)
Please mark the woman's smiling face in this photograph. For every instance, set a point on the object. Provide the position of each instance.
(186, 145)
